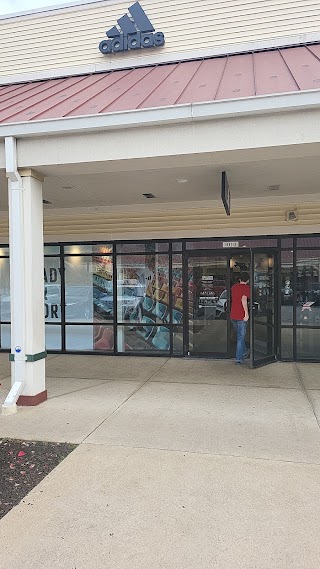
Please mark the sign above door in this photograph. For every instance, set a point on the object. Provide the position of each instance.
(225, 193)
(136, 32)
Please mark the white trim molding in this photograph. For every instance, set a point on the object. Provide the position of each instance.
(279, 103)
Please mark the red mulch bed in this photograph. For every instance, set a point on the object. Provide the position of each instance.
(23, 464)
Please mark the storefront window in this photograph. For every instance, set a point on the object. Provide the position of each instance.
(143, 289)
(225, 243)
(5, 336)
(197, 245)
(177, 348)
(91, 248)
(311, 241)
(207, 296)
(53, 337)
(287, 343)
(52, 289)
(143, 301)
(89, 338)
(287, 243)
(143, 309)
(143, 336)
(147, 247)
(51, 250)
(308, 342)
(88, 288)
(286, 287)
(52, 301)
(5, 315)
(308, 288)
(177, 290)
(89, 299)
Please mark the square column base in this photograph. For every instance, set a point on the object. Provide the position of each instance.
(32, 400)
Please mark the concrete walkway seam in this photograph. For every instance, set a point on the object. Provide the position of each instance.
(228, 385)
(78, 390)
(202, 453)
(124, 402)
(305, 391)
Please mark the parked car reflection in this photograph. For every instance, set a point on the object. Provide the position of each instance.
(103, 302)
(130, 293)
(78, 302)
(221, 306)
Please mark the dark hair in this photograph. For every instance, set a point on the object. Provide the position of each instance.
(244, 276)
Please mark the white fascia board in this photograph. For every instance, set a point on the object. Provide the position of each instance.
(284, 102)
(108, 121)
(299, 100)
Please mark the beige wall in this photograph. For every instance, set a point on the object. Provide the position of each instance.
(69, 37)
(197, 222)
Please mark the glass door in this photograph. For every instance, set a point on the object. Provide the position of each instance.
(208, 299)
(263, 308)
(239, 262)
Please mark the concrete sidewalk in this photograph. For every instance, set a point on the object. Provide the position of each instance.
(181, 464)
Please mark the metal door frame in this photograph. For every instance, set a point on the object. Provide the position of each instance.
(228, 255)
(272, 358)
(186, 328)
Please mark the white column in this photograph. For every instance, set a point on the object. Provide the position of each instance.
(27, 289)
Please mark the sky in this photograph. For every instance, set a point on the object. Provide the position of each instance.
(11, 6)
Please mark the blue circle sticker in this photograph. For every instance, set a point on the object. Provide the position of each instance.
(18, 349)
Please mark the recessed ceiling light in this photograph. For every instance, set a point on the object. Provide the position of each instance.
(149, 196)
(182, 180)
(273, 188)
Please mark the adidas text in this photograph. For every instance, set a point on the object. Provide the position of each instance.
(133, 41)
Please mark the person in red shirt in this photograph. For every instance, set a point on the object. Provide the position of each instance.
(239, 314)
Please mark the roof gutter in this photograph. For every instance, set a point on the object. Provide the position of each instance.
(193, 112)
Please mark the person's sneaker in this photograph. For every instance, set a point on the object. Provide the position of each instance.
(239, 362)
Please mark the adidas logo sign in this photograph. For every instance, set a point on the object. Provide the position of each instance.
(136, 32)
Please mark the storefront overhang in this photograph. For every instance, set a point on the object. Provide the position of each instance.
(209, 140)
(158, 116)
(248, 75)
(112, 150)
(262, 100)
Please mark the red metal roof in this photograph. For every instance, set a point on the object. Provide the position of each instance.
(234, 76)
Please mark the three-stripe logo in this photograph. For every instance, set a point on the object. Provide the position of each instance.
(136, 32)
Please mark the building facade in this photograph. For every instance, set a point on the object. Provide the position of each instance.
(149, 153)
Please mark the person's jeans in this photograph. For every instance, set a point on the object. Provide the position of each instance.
(240, 327)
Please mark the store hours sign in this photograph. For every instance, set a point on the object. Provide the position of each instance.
(134, 31)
